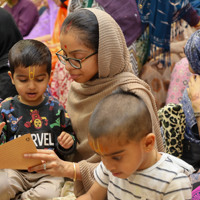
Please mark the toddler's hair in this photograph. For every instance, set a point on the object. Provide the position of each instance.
(27, 53)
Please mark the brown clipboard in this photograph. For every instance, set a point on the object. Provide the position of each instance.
(12, 153)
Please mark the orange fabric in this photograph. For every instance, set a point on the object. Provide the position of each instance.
(62, 13)
(54, 44)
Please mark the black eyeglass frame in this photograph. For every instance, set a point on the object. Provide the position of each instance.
(75, 59)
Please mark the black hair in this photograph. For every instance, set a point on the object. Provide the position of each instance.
(121, 113)
(27, 53)
(85, 22)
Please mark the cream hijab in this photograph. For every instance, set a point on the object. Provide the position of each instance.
(114, 71)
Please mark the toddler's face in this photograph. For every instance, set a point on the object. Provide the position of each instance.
(31, 83)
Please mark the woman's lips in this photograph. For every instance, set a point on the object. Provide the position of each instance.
(74, 76)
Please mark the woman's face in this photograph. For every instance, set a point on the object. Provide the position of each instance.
(73, 48)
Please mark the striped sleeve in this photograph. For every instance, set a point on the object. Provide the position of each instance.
(101, 175)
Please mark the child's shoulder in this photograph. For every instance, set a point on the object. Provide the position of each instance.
(7, 105)
(169, 168)
(6, 101)
(175, 164)
(53, 101)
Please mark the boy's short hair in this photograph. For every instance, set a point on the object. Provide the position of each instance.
(120, 113)
(27, 53)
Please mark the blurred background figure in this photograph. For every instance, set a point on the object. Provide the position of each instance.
(43, 29)
(10, 34)
(25, 14)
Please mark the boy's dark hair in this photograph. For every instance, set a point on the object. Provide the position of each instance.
(120, 114)
(27, 53)
(85, 22)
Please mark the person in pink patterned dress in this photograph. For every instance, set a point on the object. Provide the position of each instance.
(179, 80)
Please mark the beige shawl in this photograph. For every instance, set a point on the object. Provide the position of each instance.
(114, 71)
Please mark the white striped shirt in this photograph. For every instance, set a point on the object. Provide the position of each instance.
(167, 179)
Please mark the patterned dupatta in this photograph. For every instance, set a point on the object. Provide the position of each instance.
(160, 14)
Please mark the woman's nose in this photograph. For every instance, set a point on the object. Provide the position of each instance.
(68, 67)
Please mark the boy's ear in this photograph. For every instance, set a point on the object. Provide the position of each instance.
(149, 142)
(10, 74)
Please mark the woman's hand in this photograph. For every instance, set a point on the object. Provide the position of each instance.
(194, 92)
(50, 164)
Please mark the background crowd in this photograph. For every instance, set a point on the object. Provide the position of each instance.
(160, 63)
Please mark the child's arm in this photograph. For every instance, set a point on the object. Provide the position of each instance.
(96, 192)
(66, 140)
(66, 145)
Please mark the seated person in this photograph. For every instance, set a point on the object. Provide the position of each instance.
(25, 14)
(10, 34)
(32, 112)
(179, 81)
(191, 147)
(45, 24)
(96, 77)
(132, 167)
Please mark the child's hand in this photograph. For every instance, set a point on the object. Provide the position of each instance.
(194, 92)
(65, 140)
(1, 126)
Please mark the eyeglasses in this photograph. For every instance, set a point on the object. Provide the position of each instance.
(76, 63)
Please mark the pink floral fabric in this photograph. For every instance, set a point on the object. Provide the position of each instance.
(179, 81)
(61, 82)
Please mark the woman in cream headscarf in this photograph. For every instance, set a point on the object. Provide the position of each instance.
(95, 54)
